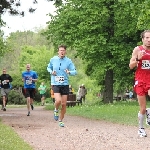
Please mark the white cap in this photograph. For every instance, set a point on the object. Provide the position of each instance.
(82, 84)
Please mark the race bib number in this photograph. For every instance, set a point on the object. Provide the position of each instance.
(28, 82)
(145, 64)
(59, 79)
(4, 82)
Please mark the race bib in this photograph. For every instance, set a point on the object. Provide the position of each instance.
(4, 82)
(59, 79)
(28, 82)
(145, 64)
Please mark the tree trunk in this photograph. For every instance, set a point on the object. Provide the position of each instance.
(108, 89)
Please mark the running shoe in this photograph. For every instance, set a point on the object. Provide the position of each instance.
(28, 113)
(142, 132)
(148, 116)
(4, 109)
(61, 124)
(32, 107)
(56, 116)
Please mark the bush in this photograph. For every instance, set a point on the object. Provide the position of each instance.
(16, 98)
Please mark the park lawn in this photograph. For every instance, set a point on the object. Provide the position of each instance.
(9, 140)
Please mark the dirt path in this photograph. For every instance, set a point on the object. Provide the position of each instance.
(43, 133)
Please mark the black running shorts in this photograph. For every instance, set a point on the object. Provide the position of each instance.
(29, 92)
(62, 89)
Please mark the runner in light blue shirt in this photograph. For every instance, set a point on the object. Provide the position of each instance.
(60, 67)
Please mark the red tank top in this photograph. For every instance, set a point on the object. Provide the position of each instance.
(142, 73)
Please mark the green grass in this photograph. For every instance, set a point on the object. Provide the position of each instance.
(16, 106)
(9, 140)
(119, 112)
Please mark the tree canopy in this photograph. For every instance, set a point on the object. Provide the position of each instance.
(103, 33)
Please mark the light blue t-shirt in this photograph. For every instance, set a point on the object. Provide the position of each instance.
(60, 65)
(27, 75)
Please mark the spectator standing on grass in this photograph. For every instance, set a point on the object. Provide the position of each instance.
(5, 80)
(60, 67)
(83, 92)
(42, 90)
(29, 77)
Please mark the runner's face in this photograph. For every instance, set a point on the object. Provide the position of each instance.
(28, 67)
(4, 71)
(146, 39)
(61, 52)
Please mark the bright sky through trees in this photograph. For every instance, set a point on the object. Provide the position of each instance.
(30, 20)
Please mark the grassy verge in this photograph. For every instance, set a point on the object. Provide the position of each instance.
(9, 140)
(122, 112)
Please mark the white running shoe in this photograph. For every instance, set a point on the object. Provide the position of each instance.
(142, 132)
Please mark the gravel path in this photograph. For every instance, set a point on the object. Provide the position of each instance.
(43, 133)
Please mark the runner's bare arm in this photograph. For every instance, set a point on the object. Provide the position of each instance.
(133, 62)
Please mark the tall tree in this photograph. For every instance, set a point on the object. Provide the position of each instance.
(103, 33)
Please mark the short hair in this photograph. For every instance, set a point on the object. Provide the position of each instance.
(143, 33)
(62, 46)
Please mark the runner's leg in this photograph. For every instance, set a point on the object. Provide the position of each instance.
(63, 106)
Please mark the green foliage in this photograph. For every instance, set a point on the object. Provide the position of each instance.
(38, 57)
(27, 47)
(16, 97)
(103, 33)
(143, 14)
(18, 39)
(4, 48)
(98, 32)
(9, 140)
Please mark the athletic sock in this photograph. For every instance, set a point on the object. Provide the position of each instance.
(141, 119)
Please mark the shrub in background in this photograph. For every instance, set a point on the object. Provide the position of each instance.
(16, 97)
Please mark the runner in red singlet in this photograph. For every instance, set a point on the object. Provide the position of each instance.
(141, 59)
